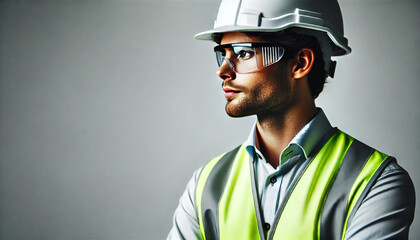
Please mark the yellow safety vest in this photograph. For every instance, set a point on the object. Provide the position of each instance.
(338, 175)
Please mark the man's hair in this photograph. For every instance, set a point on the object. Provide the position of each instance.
(317, 76)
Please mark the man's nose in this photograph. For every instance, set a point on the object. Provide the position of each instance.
(225, 71)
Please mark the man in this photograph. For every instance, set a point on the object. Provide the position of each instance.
(295, 177)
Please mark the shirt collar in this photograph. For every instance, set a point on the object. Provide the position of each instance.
(307, 138)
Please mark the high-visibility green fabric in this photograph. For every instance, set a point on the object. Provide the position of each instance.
(300, 218)
(200, 186)
(234, 225)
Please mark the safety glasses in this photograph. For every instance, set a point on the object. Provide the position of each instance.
(248, 57)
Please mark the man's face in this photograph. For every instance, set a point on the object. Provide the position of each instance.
(264, 92)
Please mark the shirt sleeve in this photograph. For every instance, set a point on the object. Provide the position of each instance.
(185, 220)
(388, 210)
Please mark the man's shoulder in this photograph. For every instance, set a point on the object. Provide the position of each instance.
(225, 156)
(222, 160)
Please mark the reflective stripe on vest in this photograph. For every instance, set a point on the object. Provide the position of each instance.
(319, 204)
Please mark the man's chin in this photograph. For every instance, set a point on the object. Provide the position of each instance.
(236, 112)
(235, 115)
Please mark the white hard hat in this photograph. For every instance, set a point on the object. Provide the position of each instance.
(319, 18)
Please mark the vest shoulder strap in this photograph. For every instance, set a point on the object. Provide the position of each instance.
(335, 210)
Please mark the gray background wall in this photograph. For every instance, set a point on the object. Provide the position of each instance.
(107, 107)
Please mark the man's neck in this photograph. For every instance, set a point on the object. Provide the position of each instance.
(275, 132)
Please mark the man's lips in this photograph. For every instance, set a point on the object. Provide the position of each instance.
(229, 92)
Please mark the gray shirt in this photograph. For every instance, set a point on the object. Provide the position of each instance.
(386, 212)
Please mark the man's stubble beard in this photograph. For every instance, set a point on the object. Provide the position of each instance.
(261, 103)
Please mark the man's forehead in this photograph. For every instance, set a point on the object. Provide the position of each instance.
(241, 37)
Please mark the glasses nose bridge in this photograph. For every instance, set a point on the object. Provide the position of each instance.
(229, 62)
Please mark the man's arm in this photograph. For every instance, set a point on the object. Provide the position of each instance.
(185, 221)
(388, 210)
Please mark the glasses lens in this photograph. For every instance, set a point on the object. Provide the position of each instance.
(219, 57)
(240, 59)
(244, 59)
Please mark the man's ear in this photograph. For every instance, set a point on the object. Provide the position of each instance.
(304, 62)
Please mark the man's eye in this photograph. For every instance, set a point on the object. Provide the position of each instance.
(243, 54)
